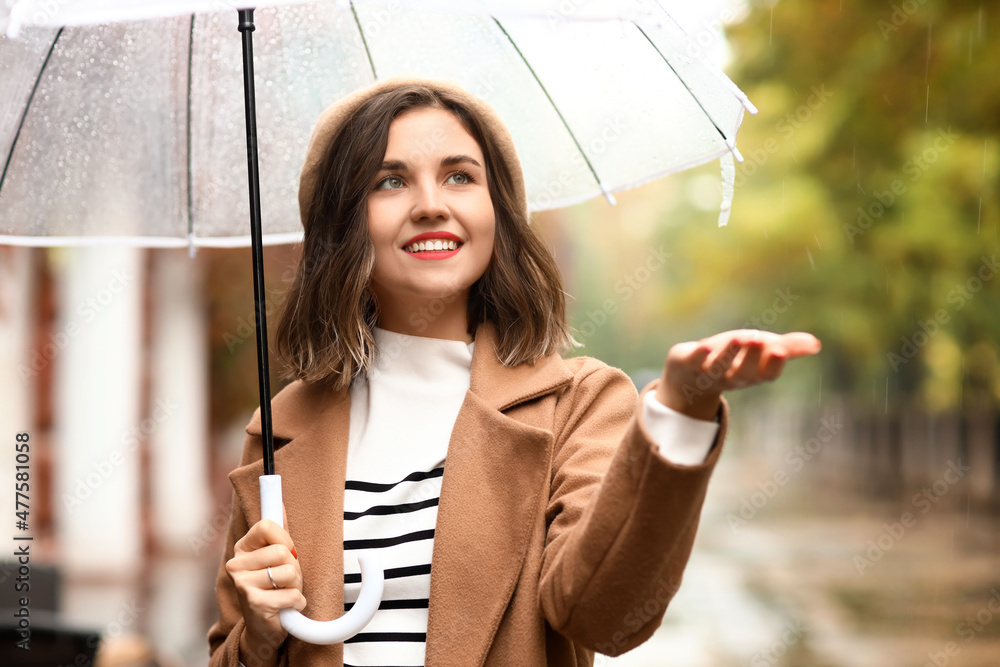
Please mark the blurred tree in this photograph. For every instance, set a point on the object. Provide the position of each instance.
(886, 118)
(865, 211)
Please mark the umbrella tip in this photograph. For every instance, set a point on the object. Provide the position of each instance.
(731, 145)
(607, 194)
(10, 23)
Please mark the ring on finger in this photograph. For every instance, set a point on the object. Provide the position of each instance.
(269, 576)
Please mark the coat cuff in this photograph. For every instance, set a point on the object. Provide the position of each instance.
(681, 439)
(228, 655)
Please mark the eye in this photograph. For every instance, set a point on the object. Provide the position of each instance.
(466, 176)
(388, 179)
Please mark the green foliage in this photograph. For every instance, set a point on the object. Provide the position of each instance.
(868, 193)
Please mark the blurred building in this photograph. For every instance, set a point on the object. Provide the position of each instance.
(104, 364)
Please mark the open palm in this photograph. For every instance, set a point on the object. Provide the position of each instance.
(697, 372)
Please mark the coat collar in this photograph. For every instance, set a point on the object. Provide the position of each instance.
(496, 474)
(295, 409)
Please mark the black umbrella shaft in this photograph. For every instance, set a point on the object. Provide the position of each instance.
(246, 27)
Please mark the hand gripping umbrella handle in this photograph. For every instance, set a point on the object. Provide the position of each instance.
(338, 629)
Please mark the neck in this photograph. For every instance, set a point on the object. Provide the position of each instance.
(434, 318)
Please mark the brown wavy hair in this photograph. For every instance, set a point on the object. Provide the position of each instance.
(325, 326)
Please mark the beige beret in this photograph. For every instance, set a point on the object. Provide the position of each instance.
(339, 111)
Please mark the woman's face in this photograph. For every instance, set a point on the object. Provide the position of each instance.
(430, 195)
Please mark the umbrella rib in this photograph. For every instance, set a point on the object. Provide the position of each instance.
(371, 63)
(31, 97)
(555, 108)
(684, 83)
(190, 177)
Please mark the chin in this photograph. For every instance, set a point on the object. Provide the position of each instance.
(445, 295)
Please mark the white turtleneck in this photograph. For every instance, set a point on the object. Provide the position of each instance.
(402, 414)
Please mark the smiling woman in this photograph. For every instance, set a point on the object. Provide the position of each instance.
(382, 170)
(523, 505)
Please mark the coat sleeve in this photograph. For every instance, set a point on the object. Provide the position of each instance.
(621, 518)
(224, 635)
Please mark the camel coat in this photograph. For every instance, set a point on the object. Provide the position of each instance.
(561, 530)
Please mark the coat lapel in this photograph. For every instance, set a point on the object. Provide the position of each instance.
(493, 490)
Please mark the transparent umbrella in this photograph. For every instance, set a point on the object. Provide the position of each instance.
(128, 132)
(131, 132)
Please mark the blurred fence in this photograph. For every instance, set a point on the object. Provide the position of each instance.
(911, 450)
(895, 454)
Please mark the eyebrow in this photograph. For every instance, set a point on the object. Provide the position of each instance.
(399, 165)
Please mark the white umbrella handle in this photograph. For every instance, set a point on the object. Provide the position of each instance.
(338, 629)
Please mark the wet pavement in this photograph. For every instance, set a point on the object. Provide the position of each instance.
(816, 577)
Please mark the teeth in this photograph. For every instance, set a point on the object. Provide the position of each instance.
(433, 245)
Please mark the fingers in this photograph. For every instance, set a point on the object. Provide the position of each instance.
(746, 370)
(722, 353)
(735, 336)
(249, 571)
(759, 356)
(265, 544)
(790, 345)
(284, 576)
(690, 353)
(267, 601)
(800, 343)
(773, 366)
(263, 533)
(272, 554)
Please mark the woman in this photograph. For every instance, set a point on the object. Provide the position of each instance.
(528, 510)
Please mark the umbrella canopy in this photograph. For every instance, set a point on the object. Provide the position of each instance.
(86, 12)
(129, 131)
(132, 132)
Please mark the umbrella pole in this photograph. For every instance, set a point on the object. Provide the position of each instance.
(246, 27)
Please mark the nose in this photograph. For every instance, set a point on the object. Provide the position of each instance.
(429, 202)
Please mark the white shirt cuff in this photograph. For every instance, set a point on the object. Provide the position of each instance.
(681, 439)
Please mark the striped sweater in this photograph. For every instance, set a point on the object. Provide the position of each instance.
(402, 414)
